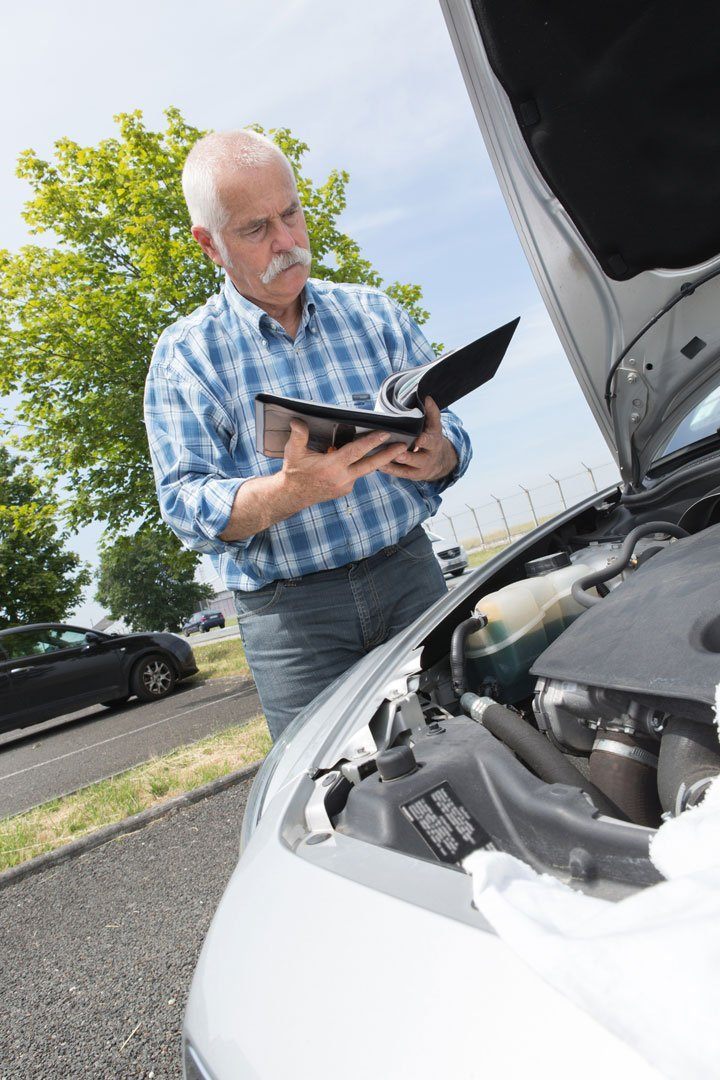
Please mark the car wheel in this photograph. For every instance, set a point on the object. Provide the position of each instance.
(457, 573)
(116, 702)
(153, 678)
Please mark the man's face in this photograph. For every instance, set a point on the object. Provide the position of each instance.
(265, 223)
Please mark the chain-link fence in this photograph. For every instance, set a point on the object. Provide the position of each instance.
(502, 518)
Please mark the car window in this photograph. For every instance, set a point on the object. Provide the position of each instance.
(65, 639)
(23, 643)
(702, 421)
(434, 537)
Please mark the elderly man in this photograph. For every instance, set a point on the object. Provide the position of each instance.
(324, 552)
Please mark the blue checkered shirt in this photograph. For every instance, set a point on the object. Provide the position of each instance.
(200, 418)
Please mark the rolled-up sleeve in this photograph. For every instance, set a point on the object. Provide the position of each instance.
(418, 352)
(190, 437)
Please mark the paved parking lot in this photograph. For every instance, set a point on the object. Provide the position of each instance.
(98, 954)
(62, 755)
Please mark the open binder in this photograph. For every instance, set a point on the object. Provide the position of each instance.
(399, 404)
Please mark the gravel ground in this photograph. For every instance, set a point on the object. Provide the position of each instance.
(97, 955)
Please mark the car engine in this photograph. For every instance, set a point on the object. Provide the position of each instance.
(574, 710)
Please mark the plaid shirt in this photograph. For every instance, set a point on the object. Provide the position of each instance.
(200, 419)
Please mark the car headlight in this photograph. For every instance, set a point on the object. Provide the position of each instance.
(193, 1068)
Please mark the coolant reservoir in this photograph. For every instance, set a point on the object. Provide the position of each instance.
(522, 620)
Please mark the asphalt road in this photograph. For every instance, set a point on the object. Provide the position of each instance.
(98, 954)
(57, 757)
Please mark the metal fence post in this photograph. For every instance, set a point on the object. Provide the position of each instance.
(529, 499)
(592, 475)
(562, 495)
(477, 523)
(452, 527)
(502, 514)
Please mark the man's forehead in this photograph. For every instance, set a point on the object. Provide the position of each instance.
(256, 191)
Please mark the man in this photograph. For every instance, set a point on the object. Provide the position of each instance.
(324, 552)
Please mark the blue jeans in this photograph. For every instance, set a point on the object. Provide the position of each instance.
(301, 633)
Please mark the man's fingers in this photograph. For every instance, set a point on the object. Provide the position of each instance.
(375, 463)
(433, 417)
(299, 433)
(357, 449)
(405, 472)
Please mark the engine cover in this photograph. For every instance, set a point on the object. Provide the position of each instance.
(656, 637)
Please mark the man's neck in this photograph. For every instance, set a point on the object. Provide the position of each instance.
(288, 315)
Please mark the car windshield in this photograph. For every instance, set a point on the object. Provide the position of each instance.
(702, 421)
(435, 538)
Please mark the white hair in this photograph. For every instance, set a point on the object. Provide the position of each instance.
(210, 158)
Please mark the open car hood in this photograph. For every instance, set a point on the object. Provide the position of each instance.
(602, 125)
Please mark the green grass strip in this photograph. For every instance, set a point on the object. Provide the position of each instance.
(58, 822)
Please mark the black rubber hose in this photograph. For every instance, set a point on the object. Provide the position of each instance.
(457, 651)
(545, 760)
(689, 760)
(621, 563)
(648, 496)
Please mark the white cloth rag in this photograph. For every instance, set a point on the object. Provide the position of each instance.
(646, 967)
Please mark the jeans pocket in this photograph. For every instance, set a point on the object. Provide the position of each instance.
(260, 602)
(416, 548)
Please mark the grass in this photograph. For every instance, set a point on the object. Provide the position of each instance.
(476, 558)
(58, 822)
(221, 659)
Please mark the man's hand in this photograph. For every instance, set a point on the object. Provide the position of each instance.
(308, 477)
(432, 457)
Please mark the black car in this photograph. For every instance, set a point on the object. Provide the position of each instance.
(203, 621)
(48, 669)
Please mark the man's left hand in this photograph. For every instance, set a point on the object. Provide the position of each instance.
(432, 457)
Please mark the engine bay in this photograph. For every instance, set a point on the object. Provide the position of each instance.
(563, 712)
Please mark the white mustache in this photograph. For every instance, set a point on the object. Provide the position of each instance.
(284, 261)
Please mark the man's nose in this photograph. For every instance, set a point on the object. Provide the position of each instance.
(283, 239)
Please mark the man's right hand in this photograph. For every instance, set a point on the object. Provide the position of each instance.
(308, 477)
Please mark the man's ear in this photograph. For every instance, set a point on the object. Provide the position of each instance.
(206, 242)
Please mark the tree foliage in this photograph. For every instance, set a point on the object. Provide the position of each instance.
(80, 314)
(40, 580)
(148, 580)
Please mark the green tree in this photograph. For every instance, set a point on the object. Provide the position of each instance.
(149, 581)
(79, 315)
(40, 580)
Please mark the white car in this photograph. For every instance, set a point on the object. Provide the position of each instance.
(451, 555)
(446, 866)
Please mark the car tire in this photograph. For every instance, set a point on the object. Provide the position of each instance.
(153, 677)
(457, 573)
(116, 702)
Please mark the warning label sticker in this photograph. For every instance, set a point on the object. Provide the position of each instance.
(446, 826)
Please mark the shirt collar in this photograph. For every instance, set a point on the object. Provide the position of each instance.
(258, 318)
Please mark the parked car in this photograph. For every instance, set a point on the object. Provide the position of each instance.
(203, 621)
(446, 862)
(49, 669)
(452, 557)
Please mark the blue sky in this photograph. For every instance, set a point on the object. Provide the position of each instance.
(372, 87)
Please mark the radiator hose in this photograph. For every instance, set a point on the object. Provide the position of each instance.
(545, 760)
(580, 587)
(457, 651)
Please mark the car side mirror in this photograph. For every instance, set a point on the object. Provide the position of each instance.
(91, 641)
